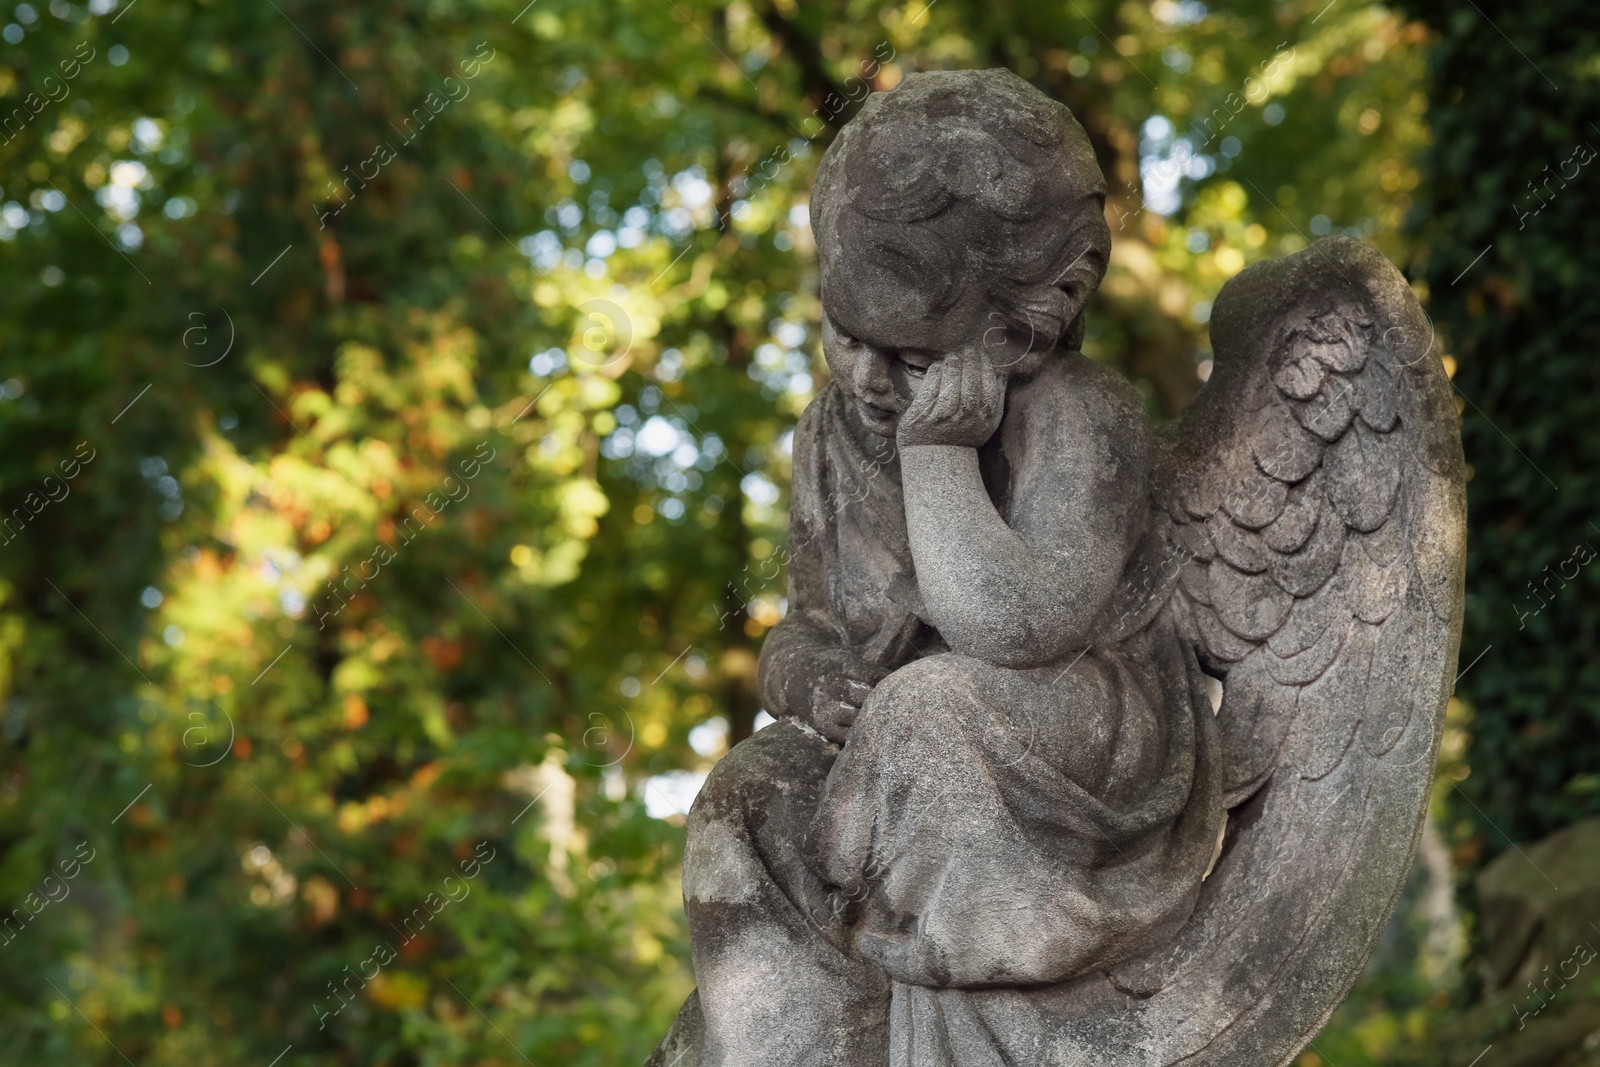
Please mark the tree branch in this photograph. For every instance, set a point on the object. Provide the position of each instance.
(815, 81)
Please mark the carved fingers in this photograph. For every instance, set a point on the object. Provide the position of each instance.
(918, 418)
(835, 703)
(959, 402)
(834, 707)
(843, 683)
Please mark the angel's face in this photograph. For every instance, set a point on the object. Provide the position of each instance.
(879, 352)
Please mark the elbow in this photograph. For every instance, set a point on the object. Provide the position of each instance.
(1019, 638)
(782, 674)
(774, 675)
(1020, 616)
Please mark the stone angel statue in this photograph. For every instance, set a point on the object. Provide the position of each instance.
(999, 820)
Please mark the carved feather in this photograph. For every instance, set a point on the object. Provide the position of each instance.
(1303, 572)
(1290, 530)
(1308, 619)
(1256, 499)
(1252, 606)
(1363, 475)
(1242, 548)
(1281, 446)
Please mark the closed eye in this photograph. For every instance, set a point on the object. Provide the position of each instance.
(916, 363)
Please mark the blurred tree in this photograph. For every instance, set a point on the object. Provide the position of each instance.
(1513, 247)
(393, 452)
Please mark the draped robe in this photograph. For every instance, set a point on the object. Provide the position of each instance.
(988, 834)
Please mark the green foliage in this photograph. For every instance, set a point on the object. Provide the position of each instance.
(423, 372)
(1509, 270)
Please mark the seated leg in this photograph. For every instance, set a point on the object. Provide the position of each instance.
(773, 990)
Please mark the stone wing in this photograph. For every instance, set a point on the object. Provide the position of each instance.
(1309, 542)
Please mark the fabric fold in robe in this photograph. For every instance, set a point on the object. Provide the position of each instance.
(841, 902)
(986, 837)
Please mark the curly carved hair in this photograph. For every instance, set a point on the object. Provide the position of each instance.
(957, 178)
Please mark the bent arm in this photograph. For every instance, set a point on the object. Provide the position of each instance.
(790, 660)
(790, 653)
(1026, 594)
(805, 662)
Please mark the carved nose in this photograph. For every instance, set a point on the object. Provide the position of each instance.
(872, 376)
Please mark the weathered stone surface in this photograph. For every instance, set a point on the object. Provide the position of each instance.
(1536, 903)
(1539, 910)
(998, 820)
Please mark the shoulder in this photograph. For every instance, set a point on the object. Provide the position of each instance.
(810, 448)
(1076, 403)
(814, 421)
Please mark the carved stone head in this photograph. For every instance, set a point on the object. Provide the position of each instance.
(962, 210)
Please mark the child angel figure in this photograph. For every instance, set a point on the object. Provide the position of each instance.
(976, 781)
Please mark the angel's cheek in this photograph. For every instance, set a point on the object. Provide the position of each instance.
(841, 366)
(905, 383)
